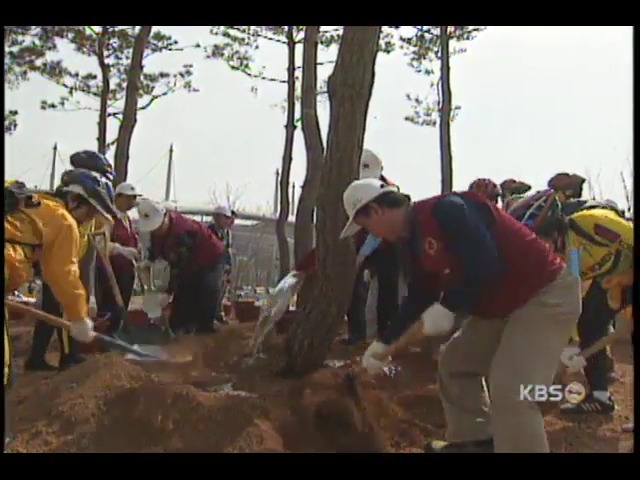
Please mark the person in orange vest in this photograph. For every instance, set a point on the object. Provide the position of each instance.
(470, 257)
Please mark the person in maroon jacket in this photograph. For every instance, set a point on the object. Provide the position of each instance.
(124, 235)
(470, 257)
(196, 258)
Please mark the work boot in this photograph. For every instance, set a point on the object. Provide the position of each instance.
(32, 365)
(70, 360)
(478, 446)
(590, 404)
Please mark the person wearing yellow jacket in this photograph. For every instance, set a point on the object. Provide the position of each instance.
(101, 189)
(604, 240)
(42, 229)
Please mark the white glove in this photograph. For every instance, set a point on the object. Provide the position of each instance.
(129, 252)
(153, 303)
(437, 320)
(376, 357)
(82, 330)
(572, 359)
(93, 307)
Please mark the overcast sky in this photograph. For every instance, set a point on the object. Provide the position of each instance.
(535, 101)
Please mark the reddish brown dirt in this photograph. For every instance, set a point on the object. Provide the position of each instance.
(108, 404)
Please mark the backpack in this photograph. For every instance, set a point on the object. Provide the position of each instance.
(18, 198)
(574, 206)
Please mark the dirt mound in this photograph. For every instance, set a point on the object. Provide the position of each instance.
(220, 402)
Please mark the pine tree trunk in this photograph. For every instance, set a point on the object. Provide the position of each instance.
(290, 129)
(445, 114)
(303, 238)
(130, 114)
(350, 87)
(104, 92)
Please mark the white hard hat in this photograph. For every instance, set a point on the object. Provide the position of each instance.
(150, 215)
(127, 189)
(370, 165)
(222, 210)
(357, 195)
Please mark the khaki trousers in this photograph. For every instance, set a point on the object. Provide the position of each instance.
(521, 349)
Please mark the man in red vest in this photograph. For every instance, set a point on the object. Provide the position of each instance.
(470, 257)
(197, 262)
(124, 249)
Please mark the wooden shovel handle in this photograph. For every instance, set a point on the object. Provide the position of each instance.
(37, 314)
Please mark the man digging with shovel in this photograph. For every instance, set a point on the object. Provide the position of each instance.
(43, 229)
(604, 238)
(196, 258)
(123, 252)
(470, 257)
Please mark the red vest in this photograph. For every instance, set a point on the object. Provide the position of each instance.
(528, 264)
(188, 245)
(125, 235)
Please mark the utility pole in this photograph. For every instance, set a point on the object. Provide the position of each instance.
(167, 189)
(293, 199)
(275, 194)
(52, 178)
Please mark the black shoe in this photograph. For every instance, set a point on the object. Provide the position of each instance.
(220, 319)
(478, 446)
(70, 360)
(590, 404)
(38, 366)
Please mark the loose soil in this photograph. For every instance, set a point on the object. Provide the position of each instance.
(109, 404)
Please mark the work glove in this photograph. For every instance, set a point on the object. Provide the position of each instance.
(376, 357)
(153, 303)
(437, 320)
(82, 330)
(129, 252)
(572, 359)
(93, 307)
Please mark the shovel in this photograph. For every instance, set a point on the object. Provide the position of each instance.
(110, 342)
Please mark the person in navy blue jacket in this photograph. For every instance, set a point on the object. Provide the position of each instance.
(470, 257)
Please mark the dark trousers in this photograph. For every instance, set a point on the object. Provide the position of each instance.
(42, 332)
(125, 278)
(387, 270)
(356, 321)
(593, 324)
(196, 300)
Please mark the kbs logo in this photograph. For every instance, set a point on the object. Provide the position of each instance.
(572, 393)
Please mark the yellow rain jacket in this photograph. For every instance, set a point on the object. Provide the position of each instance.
(47, 234)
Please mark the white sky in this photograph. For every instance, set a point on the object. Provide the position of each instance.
(535, 101)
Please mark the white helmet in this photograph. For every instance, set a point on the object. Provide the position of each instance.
(357, 195)
(370, 165)
(150, 215)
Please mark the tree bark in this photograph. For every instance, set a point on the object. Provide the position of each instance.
(303, 237)
(290, 129)
(446, 161)
(130, 113)
(350, 87)
(104, 93)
